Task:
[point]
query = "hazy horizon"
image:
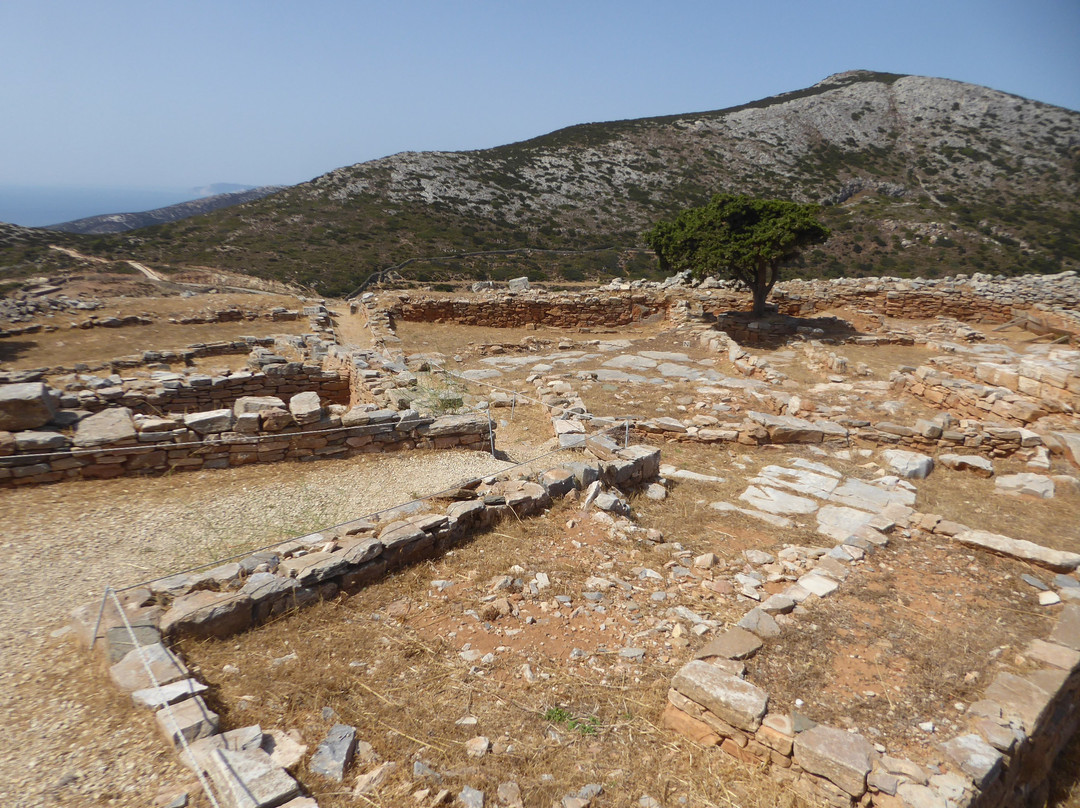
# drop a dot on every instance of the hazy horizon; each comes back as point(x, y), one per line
point(45, 205)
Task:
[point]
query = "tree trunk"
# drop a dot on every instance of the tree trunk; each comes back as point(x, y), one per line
point(760, 290)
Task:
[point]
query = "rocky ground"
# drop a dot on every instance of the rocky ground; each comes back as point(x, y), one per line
point(536, 660)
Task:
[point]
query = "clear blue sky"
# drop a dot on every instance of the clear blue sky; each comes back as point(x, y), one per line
point(177, 94)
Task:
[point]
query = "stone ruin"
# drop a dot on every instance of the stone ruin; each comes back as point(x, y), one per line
point(336, 401)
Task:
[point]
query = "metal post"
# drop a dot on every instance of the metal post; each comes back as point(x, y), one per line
point(513, 407)
point(491, 430)
point(100, 616)
point(626, 436)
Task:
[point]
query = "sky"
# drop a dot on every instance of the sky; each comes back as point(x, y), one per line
point(157, 95)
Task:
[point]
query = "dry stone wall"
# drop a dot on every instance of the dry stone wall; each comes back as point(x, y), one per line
point(532, 309)
point(132, 629)
point(115, 443)
point(1014, 735)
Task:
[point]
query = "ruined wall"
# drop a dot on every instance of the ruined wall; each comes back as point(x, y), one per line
point(150, 448)
point(519, 311)
point(196, 393)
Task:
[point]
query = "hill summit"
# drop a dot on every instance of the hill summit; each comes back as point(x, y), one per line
point(917, 176)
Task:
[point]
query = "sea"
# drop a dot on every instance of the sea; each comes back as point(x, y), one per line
point(45, 205)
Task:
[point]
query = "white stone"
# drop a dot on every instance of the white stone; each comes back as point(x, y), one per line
point(911, 465)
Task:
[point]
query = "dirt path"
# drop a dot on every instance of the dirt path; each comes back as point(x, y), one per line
point(78, 255)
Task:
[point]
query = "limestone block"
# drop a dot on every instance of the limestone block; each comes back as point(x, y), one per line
point(843, 758)
point(248, 778)
point(191, 719)
point(208, 614)
point(130, 673)
point(110, 426)
point(730, 698)
point(27, 405)
point(210, 422)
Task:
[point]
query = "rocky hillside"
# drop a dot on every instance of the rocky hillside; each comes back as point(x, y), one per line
point(917, 176)
point(122, 222)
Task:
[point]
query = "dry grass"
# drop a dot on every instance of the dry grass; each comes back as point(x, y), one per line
point(385, 662)
point(917, 629)
point(973, 501)
point(68, 346)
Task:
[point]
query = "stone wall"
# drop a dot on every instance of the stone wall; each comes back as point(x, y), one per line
point(194, 392)
point(113, 443)
point(1014, 733)
point(974, 400)
point(230, 598)
point(523, 310)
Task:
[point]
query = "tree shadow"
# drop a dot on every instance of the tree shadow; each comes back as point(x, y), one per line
point(776, 330)
point(10, 350)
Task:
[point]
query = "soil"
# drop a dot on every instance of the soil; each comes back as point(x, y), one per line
point(916, 634)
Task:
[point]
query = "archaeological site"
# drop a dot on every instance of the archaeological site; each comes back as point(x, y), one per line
point(622, 545)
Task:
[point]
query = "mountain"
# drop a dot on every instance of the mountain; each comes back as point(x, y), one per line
point(916, 175)
point(215, 188)
point(122, 222)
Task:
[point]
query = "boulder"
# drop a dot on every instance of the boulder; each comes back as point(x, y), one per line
point(111, 426)
point(973, 463)
point(210, 422)
point(246, 405)
point(25, 406)
point(306, 408)
point(910, 465)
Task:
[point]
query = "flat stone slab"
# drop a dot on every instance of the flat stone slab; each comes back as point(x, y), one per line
point(909, 465)
point(210, 422)
point(771, 518)
point(976, 757)
point(973, 463)
point(843, 758)
point(728, 697)
point(1067, 630)
point(735, 643)
point(772, 500)
point(838, 522)
point(248, 778)
point(157, 697)
point(191, 719)
point(1025, 484)
point(335, 753)
point(1056, 560)
point(113, 425)
point(130, 673)
point(815, 482)
point(630, 362)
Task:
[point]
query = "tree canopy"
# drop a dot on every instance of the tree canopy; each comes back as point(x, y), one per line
point(737, 236)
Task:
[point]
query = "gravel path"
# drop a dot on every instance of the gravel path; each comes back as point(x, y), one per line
point(69, 740)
